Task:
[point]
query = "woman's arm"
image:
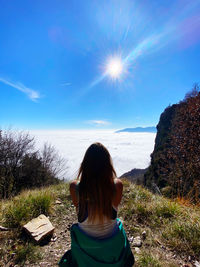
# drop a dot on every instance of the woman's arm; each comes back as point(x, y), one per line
point(118, 195)
point(73, 193)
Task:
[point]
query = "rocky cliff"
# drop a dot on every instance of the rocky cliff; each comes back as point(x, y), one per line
point(175, 161)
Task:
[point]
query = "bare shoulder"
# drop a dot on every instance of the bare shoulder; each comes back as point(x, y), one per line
point(119, 190)
point(73, 184)
point(118, 184)
point(72, 188)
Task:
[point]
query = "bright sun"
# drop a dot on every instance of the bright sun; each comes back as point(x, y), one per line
point(114, 68)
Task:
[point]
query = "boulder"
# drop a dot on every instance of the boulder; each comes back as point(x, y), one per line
point(39, 228)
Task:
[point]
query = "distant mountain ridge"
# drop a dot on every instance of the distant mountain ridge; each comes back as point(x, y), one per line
point(151, 129)
point(135, 176)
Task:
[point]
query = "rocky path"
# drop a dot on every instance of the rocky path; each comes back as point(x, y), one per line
point(60, 242)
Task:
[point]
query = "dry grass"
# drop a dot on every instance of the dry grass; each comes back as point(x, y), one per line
point(168, 223)
point(14, 213)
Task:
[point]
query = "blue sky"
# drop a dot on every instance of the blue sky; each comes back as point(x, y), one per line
point(53, 58)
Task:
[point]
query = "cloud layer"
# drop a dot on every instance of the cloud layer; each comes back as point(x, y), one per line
point(128, 150)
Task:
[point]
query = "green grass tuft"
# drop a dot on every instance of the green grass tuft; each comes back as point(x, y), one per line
point(26, 206)
point(184, 236)
point(146, 259)
point(27, 252)
point(167, 209)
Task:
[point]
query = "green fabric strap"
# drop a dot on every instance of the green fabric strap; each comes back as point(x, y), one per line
point(91, 252)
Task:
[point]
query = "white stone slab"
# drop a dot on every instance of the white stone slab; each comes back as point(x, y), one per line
point(39, 228)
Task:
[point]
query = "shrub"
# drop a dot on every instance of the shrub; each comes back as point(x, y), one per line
point(167, 191)
point(23, 167)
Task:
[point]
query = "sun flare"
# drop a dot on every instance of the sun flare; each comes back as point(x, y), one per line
point(114, 68)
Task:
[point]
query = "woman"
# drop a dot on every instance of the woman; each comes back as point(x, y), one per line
point(99, 238)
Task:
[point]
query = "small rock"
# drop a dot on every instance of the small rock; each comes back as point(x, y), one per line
point(196, 264)
point(144, 235)
point(4, 228)
point(130, 239)
point(137, 250)
point(58, 202)
point(137, 242)
point(53, 239)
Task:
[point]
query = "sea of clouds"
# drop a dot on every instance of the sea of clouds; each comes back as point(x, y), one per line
point(128, 150)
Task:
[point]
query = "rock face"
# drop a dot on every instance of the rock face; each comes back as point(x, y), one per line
point(39, 228)
point(155, 174)
point(175, 160)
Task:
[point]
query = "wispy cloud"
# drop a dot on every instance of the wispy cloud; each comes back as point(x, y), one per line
point(98, 122)
point(32, 94)
point(65, 84)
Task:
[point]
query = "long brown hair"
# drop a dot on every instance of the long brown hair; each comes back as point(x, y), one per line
point(96, 188)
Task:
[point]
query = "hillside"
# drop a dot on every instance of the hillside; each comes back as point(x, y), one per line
point(172, 229)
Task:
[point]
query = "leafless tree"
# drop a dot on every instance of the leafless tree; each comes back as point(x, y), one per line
point(52, 161)
point(21, 166)
point(13, 147)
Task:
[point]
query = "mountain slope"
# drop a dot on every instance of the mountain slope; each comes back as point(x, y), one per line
point(172, 229)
